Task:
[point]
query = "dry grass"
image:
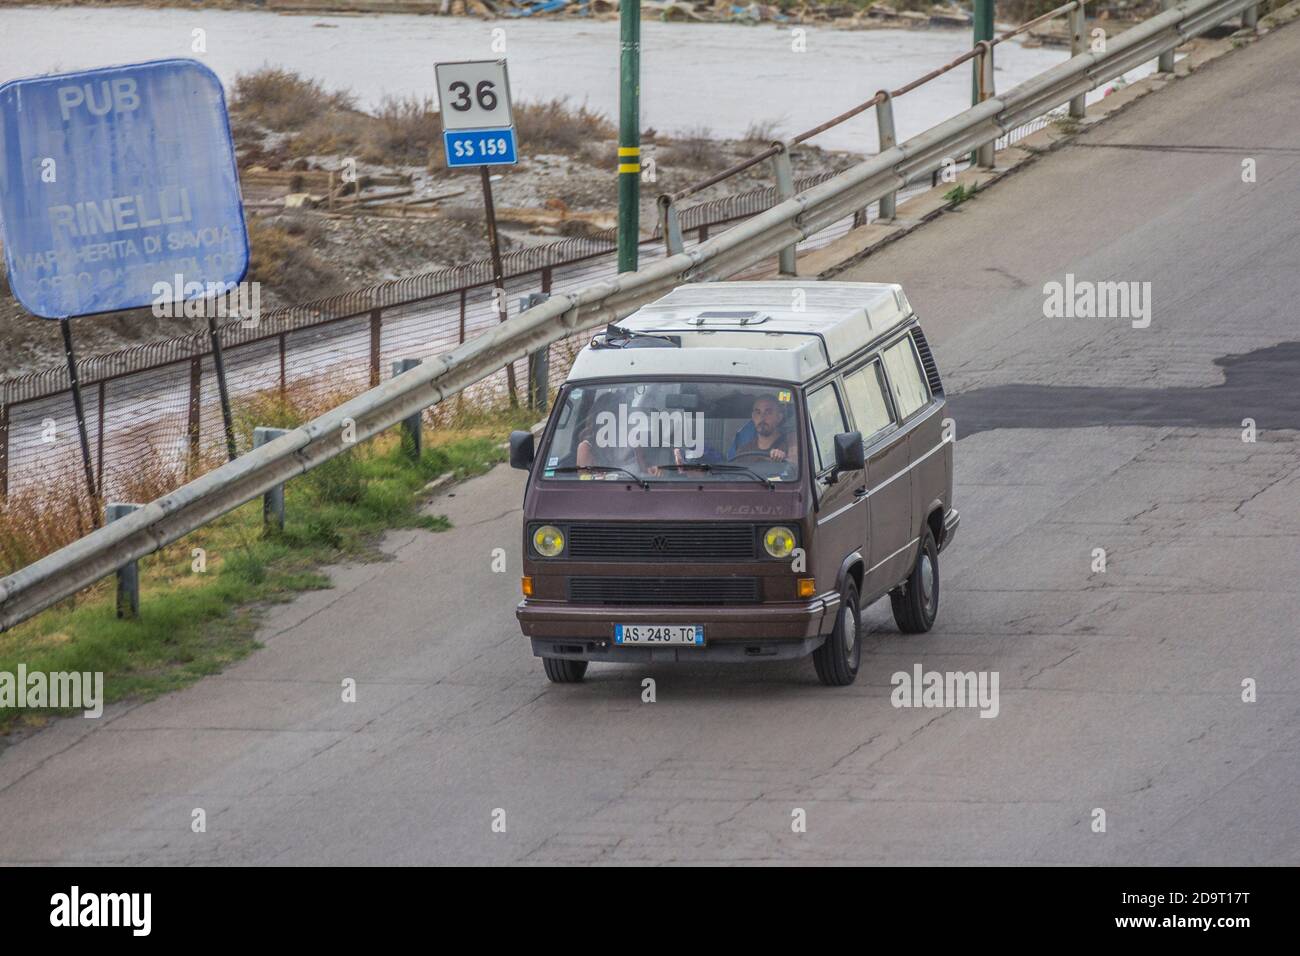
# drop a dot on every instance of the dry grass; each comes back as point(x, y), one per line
point(403, 131)
point(283, 100)
point(406, 131)
point(695, 149)
point(556, 126)
point(36, 523)
point(282, 258)
point(762, 132)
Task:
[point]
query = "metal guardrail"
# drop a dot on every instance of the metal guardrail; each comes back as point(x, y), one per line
point(85, 561)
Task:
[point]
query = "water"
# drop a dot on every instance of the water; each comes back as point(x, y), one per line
point(719, 77)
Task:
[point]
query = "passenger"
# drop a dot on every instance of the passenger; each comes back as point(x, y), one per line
point(771, 438)
point(593, 454)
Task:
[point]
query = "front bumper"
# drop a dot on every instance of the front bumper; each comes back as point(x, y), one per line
point(749, 632)
point(729, 652)
point(950, 522)
point(792, 621)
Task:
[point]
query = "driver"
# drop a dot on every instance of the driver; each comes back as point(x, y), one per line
point(771, 438)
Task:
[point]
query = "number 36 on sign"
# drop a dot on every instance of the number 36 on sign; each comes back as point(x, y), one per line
point(477, 122)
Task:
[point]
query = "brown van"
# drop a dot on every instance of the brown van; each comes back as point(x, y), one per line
point(732, 473)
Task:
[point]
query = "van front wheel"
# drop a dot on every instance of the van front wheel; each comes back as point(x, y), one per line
point(838, 658)
point(562, 671)
point(916, 600)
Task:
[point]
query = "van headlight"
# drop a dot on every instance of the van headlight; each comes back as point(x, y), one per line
point(548, 541)
point(779, 542)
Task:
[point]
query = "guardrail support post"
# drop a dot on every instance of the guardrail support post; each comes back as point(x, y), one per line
point(128, 575)
point(273, 500)
point(784, 173)
point(984, 155)
point(412, 437)
point(539, 362)
point(888, 139)
point(1078, 44)
point(1250, 17)
point(672, 226)
point(1165, 63)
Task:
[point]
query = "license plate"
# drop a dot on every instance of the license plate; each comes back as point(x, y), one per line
point(692, 634)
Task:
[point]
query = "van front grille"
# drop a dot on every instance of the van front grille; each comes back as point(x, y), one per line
point(661, 543)
point(663, 591)
point(927, 361)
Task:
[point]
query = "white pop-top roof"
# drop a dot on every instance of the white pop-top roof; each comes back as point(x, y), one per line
point(787, 331)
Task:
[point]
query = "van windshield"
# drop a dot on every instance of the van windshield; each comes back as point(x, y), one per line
point(675, 431)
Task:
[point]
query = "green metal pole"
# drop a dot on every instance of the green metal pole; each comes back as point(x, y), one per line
point(982, 14)
point(983, 17)
point(629, 135)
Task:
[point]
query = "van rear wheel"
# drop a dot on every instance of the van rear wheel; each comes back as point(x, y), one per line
point(562, 671)
point(916, 600)
point(839, 655)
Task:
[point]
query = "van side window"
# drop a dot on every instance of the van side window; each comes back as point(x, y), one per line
point(906, 377)
point(827, 421)
point(866, 395)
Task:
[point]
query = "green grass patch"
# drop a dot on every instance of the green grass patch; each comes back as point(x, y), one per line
point(201, 598)
point(959, 194)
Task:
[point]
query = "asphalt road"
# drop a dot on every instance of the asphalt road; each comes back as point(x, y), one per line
point(1119, 691)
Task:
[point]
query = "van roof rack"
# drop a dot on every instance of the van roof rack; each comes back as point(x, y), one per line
point(723, 318)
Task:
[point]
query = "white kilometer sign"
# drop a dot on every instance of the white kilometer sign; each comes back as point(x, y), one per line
point(474, 103)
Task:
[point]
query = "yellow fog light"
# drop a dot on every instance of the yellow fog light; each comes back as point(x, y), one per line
point(548, 541)
point(807, 587)
point(779, 542)
point(526, 585)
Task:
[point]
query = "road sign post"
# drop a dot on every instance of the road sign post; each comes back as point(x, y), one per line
point(223, 393)
point(478, 129)
point(119, 190)
point(79, 407)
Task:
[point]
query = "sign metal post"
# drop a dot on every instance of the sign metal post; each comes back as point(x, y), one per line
point(79, 407)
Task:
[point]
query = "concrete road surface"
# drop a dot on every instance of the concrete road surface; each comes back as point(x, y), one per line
point(1119, 690)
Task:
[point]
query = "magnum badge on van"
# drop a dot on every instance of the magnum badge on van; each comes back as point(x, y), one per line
point(792, 469)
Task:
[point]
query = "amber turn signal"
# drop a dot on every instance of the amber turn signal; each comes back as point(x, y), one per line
point(807, 587)
point(526, 585)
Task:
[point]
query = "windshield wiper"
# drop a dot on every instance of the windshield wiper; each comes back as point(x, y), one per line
point(706, 467)
point(572, 468)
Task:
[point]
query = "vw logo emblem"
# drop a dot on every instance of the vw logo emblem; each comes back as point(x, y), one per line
point(659, 543)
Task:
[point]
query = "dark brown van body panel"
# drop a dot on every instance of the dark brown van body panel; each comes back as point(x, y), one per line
point(889, 508)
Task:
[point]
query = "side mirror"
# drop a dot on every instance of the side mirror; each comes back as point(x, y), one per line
point(849, 453)
point(522, 451)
